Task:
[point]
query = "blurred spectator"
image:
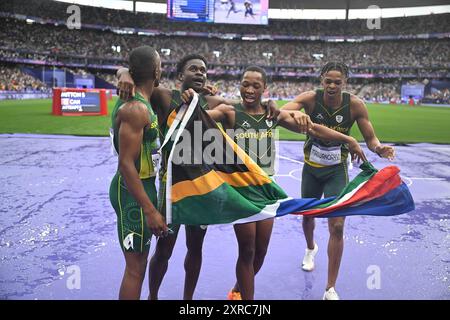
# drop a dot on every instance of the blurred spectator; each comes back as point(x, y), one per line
point(13, 79)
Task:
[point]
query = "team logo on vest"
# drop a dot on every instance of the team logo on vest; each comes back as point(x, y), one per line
point(246, 125)
point(269, 123)
point(339, 118)
point(319, 116)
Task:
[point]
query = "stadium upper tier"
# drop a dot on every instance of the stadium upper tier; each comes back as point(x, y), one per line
point(58, 44)
point(157, 22)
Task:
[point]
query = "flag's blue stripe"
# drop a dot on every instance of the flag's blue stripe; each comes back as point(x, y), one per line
point(396, 201)
point(295, 205)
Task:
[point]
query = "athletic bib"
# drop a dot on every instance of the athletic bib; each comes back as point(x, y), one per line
point(325, 156)
point(155, 161)
point(113, 148)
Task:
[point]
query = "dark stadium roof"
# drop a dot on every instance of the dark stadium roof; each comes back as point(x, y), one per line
point(342, 4)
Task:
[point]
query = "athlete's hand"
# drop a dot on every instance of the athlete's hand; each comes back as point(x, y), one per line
point(156, 223)
point(209, 90)
point(385, 151)
point(356, 151)
point(272, 111)
point(303, 121)
point(187, 95)
point(125, 86)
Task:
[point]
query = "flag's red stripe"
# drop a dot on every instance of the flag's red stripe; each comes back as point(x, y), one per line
point(381, 183)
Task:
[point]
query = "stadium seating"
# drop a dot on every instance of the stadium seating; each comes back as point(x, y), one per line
point(378, 67)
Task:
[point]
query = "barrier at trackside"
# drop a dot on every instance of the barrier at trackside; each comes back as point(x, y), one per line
point(79, 102)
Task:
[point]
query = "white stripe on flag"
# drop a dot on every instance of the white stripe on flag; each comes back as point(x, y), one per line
point(346, 197)
point(187, 116)
point(269, 211)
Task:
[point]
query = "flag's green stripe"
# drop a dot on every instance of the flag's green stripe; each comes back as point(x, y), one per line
point(225, 204)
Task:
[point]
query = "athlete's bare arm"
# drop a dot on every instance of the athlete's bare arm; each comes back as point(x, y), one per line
point(361, 116)
point(299, 122)
point(295, 121)
point(132, 118)
point(304, 101)
point(270, 105)
point(225, 114)
point(160, 99)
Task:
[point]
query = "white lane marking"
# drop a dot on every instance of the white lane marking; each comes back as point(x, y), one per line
point(423, 178)
point(437, 148)
point(291, 174)
point(293, 160)
point(409, 180)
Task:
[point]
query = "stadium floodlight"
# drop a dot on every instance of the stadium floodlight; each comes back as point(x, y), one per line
point(165, 51)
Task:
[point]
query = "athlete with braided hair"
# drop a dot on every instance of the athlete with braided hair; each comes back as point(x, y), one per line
point(325, 169)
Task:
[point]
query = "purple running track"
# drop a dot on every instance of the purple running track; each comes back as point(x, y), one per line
point(55, 217)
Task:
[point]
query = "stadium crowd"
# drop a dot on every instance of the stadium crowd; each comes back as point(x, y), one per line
point(13, 79)
point(36, 41)
point(378, 67)
point(122, 18)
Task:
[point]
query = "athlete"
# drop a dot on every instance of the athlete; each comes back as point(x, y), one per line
point(247, 121)
point(232, 8)
point(249, 9)
point(192, 72)
point(132, 191)
point(325, 170)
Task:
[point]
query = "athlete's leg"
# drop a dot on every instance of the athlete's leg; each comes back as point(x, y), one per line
point(335, 184)
point(245, 272)
point(311, 188)
point(193, 261)
point(263, 234)
point(335, 248)
point(136, 264)
point(134, 237)
point(160, 261)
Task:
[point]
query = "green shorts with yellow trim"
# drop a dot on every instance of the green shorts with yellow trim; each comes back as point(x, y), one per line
point(327, 181)
point(134, 235)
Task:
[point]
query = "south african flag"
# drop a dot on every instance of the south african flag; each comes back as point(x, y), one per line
point(236, 190)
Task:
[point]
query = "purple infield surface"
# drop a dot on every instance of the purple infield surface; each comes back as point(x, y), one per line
point(56, 223)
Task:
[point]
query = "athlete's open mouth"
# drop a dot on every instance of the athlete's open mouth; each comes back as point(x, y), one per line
point(249, 98)
point(199, 82)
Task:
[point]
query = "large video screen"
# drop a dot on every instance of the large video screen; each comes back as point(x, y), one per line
point(219, 11)
point(191, 10)
point(241, 11)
